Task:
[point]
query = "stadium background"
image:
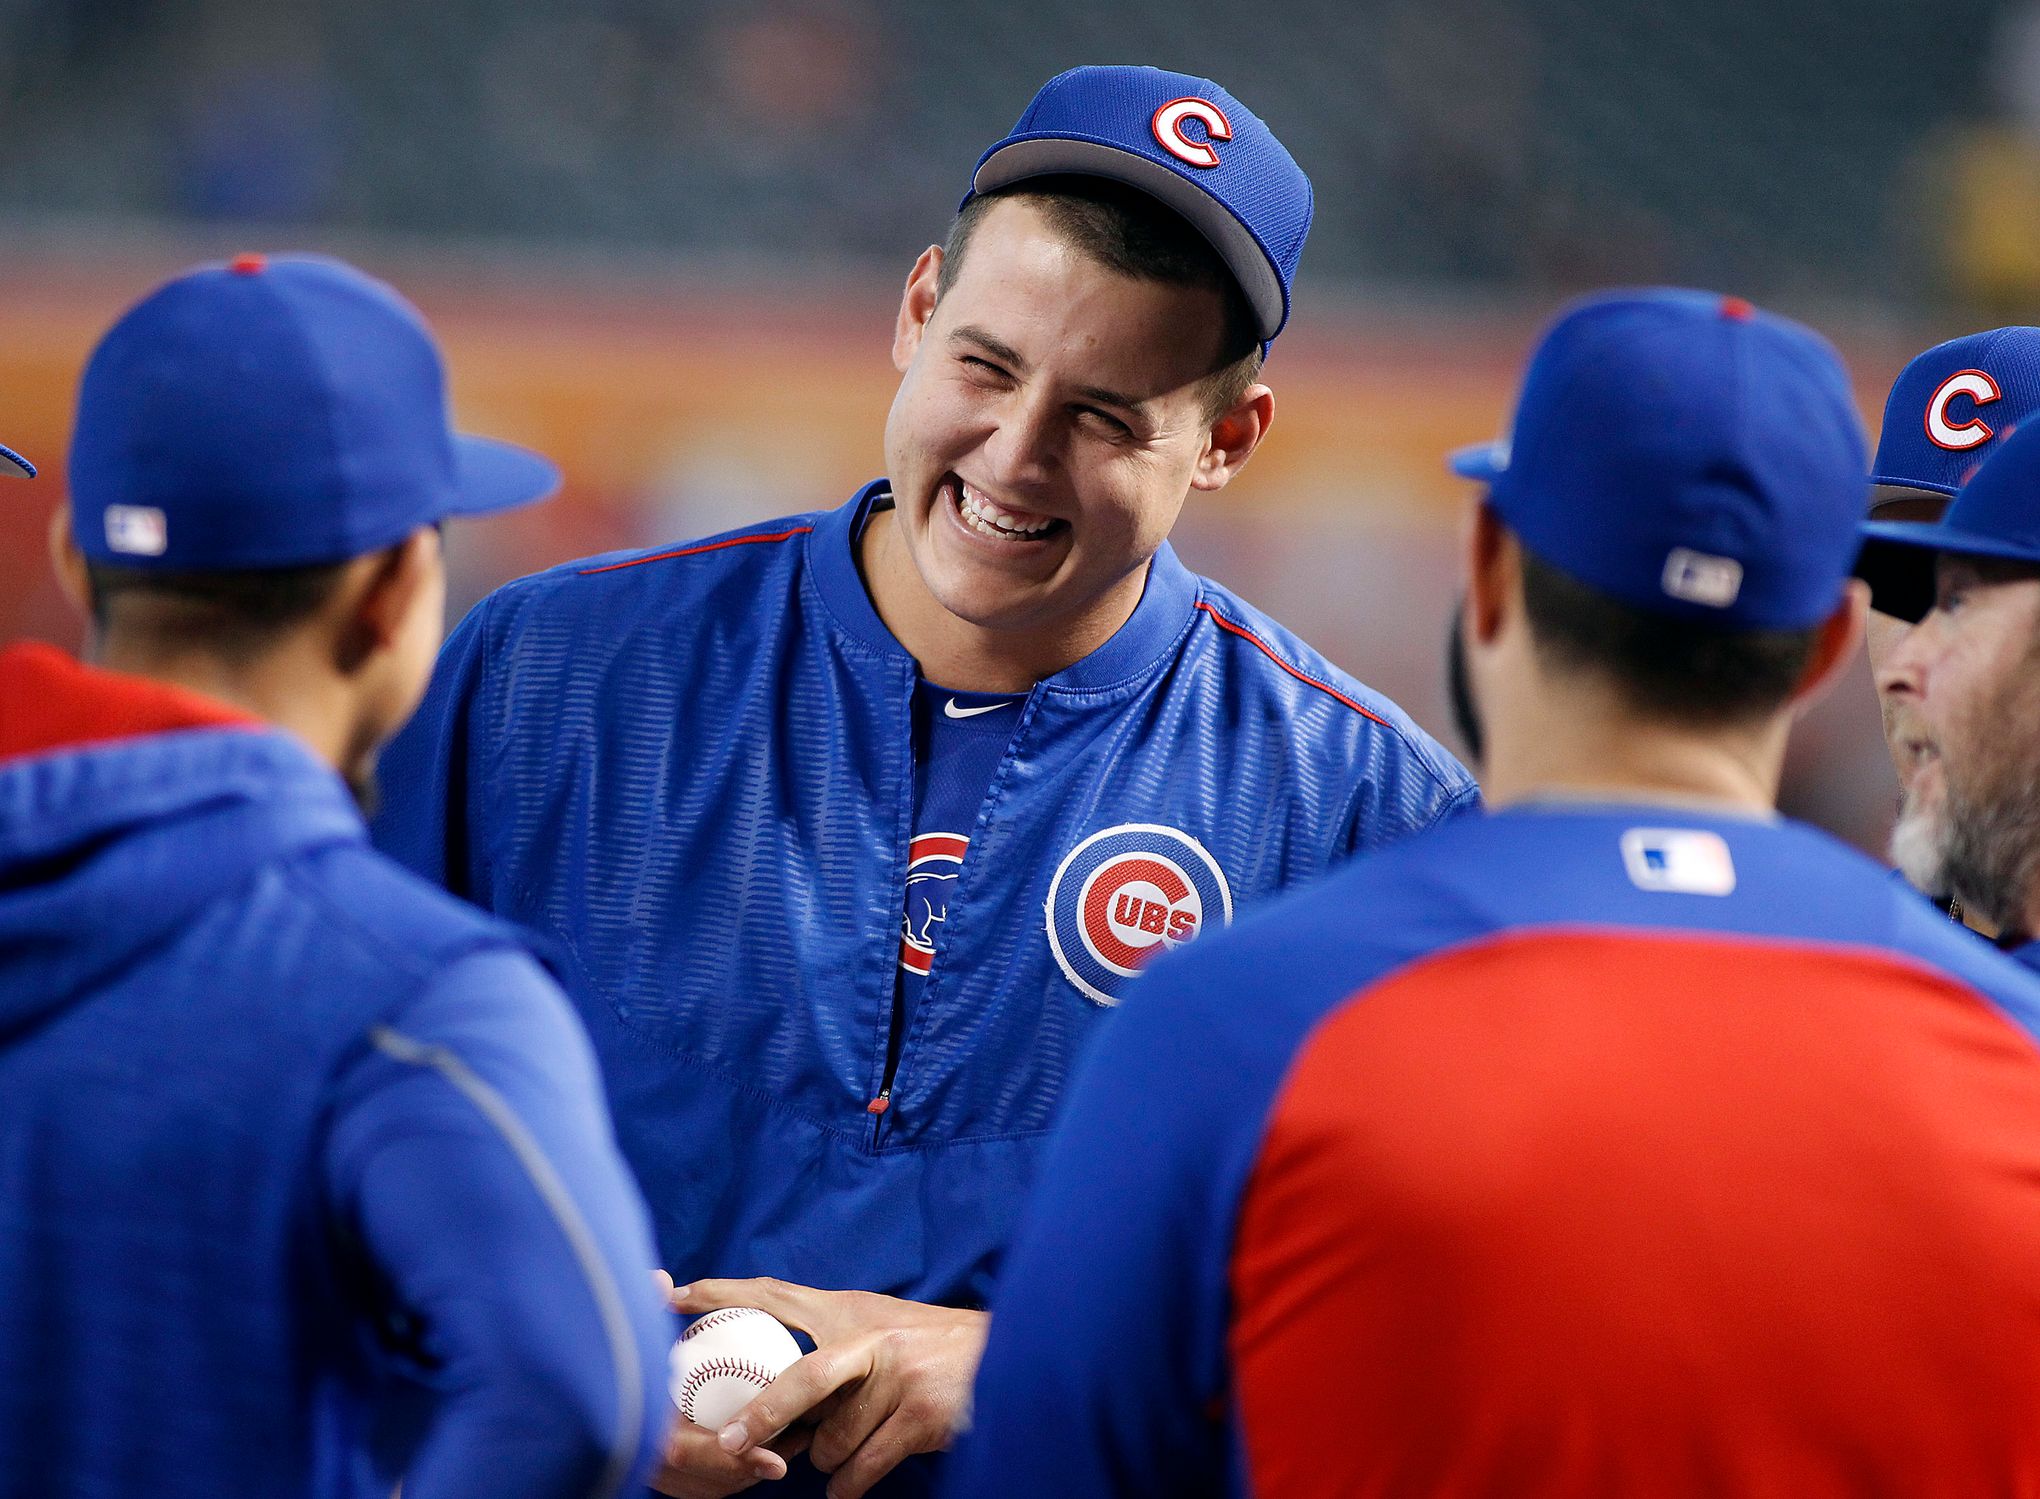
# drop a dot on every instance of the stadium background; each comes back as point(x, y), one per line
point(662, 239)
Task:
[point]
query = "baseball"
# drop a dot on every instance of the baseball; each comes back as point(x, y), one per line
point(724, 1359)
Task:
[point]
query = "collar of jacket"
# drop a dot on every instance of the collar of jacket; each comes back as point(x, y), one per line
point(1166, 609)
point(49, 702)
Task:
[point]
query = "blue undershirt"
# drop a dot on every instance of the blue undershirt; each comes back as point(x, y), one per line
point(959, 739)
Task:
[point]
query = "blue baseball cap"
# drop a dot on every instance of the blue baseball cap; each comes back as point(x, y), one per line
point(274, 412)
point(1688, 454)
point(1951, 407)
point(14, 466)
point(1185, 141)
point(1996, 514)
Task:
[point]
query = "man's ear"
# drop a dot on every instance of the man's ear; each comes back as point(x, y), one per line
point(1494, 574)
point(68, 562)
point(1834, 645)
point(375, 601)
point(1234, 436)
point(917, 305)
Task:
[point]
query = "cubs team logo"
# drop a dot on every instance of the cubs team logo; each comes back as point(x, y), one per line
point(1168, 126)
point(1126, 895)
point(933, 862)
point(1959, 437)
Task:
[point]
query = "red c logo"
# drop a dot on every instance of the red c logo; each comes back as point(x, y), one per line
point(1134, 907)
point(1958, 436)
point(1168, 128)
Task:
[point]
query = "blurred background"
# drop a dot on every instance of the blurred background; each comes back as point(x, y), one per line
point(663, 239)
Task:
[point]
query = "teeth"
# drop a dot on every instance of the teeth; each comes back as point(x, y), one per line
point(985, 516)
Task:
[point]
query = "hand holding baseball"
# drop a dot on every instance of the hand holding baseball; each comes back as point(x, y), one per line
point(694, 1465)
point(888, 1378)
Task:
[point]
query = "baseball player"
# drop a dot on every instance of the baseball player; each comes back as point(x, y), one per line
point(855, 824)
point(1949, 410)
point(1963, 684)
point(1626, 1140)
point(306, 1185)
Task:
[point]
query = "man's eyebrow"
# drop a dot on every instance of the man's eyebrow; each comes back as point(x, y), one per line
point(1106, 397)
point(1005, 353)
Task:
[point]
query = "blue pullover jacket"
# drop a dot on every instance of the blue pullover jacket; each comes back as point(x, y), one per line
point(305, 1180)
point(692, 767)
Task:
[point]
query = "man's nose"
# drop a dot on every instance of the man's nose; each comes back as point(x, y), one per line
point(1025, 447)
point(1907, 664)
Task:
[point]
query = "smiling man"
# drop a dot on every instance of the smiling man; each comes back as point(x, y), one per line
point(852, 826)
point(1966, 679)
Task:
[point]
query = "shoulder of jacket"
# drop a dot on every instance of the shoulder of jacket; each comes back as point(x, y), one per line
point(391, 917)
point(1277, 656)
point(671, 573)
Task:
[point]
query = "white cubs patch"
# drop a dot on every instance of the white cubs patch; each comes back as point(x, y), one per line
point(1959, 437)
point(1124, 896)
point(1168, 126)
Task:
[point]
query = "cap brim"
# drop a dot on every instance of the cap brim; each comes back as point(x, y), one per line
point(1910, 486)
point(1897, 561)
point(1929, 505)
point(1485, 461)
point(496, 476)
point(1025, 156)
point(13, 465)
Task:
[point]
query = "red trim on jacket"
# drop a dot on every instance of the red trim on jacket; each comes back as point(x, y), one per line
point(1269, 651)
point(48, 701)
point(712, 546)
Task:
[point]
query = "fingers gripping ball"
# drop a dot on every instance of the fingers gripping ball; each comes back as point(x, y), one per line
point(724, 1359)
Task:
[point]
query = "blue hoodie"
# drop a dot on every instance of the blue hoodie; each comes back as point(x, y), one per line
point(305, 1183)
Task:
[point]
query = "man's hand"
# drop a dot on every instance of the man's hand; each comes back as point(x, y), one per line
point(695, 1466)
point(888, 1378)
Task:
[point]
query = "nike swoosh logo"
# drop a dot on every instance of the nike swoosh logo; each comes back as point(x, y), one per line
point(950, 709)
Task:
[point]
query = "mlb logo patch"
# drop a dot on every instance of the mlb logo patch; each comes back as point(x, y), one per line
point(1700, 578)
point(1678, 861)
point(137, 530)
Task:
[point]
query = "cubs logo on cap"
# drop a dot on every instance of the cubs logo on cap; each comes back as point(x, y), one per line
point(1170, 132)
point(13, 465)
point(1996, 515)
point(1185, 141)
point(1123, 897)
point(1953, 406)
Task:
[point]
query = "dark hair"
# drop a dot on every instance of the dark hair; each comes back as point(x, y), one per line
point(235, 616)
point(1128, 231)
point(1691, 673)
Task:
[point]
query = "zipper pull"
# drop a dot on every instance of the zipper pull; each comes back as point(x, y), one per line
point(881, 1103)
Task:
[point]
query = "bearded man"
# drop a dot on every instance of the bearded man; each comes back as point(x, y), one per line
point(1965, 684)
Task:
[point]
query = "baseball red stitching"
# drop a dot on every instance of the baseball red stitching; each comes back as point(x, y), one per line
point(715, 1368)
point(717, 1319)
